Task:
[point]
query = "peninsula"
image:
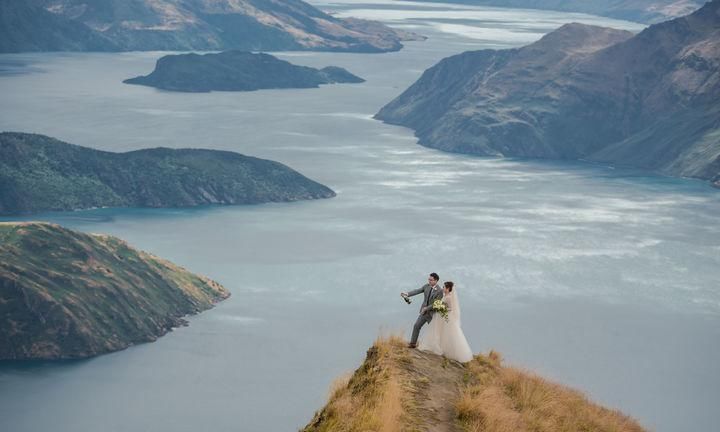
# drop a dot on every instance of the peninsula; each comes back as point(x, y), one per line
point(67, 295)
point(650, 101)
point(39, 173)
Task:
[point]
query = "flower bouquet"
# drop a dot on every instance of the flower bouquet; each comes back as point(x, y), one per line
point(441, 308)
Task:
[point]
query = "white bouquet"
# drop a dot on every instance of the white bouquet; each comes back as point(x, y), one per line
point(441, 308)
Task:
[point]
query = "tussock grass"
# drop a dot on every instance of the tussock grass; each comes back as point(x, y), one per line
point(374, 398)
point(505, 399)
point(397, 389)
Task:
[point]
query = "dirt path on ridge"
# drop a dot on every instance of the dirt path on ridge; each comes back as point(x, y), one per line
point(436, 381)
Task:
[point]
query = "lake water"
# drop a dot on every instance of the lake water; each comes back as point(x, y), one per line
point(603, 279)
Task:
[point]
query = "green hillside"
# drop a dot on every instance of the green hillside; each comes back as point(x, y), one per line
point(65, 294)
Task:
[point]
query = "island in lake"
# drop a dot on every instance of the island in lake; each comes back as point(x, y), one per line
point(650, 100)
point(237, 71)
point(66, 294)
point(404, 389)
point(39, 173)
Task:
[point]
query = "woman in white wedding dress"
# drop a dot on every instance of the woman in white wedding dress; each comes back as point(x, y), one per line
point(446, 338)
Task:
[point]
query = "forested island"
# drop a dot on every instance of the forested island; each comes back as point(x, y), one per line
point(40, 173)
point(237, 71)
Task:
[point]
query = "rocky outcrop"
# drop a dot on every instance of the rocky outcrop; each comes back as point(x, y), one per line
point(237, 71)
point(39, 173)
point(65, 294)
point(650, 100)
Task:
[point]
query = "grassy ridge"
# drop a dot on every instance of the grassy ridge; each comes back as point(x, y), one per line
point(504, 399)
point(398, 389)
point(65, 294)
point(372, 399)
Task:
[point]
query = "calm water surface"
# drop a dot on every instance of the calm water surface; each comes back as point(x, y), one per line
point(603, 279)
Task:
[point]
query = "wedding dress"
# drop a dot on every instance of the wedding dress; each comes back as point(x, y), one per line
point(446, 338)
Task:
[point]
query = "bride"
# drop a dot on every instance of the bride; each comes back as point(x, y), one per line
point(446, 337)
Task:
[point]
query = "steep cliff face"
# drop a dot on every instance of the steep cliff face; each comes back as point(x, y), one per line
point(401, 389)
point(65, 294)
point(39, 173)
point(237, 71)
point(140, 25)
point(651, 100)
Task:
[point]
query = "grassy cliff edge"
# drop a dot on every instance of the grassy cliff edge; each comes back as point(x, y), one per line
point(399, 389)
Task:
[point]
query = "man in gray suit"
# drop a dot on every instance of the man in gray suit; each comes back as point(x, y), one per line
point(432, 292)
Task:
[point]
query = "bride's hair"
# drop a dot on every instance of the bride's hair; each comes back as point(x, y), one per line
point(449, 285)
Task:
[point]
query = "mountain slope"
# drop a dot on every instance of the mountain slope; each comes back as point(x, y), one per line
point(39, 173)
point(399, 389)
point(237, 71)
point(582, 92)
point(182, 25)
point(65, 294)
point(28, 27)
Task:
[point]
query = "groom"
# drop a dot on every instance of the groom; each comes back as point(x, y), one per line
point(432, 292)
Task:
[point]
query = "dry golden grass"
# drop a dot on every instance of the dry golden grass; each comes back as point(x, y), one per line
point(338, 385)
point(374, 398)
point(505, 399)
point(390, 408)
point(397, 389)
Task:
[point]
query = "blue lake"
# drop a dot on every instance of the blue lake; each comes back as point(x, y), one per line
point(603, 279)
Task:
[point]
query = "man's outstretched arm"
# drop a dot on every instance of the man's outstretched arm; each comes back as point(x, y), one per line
point(414, 292)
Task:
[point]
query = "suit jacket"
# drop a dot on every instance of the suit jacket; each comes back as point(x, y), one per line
point(430, 295)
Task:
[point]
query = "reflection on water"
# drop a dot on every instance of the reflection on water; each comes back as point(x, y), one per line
point(605, 279)
point(491, 26)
